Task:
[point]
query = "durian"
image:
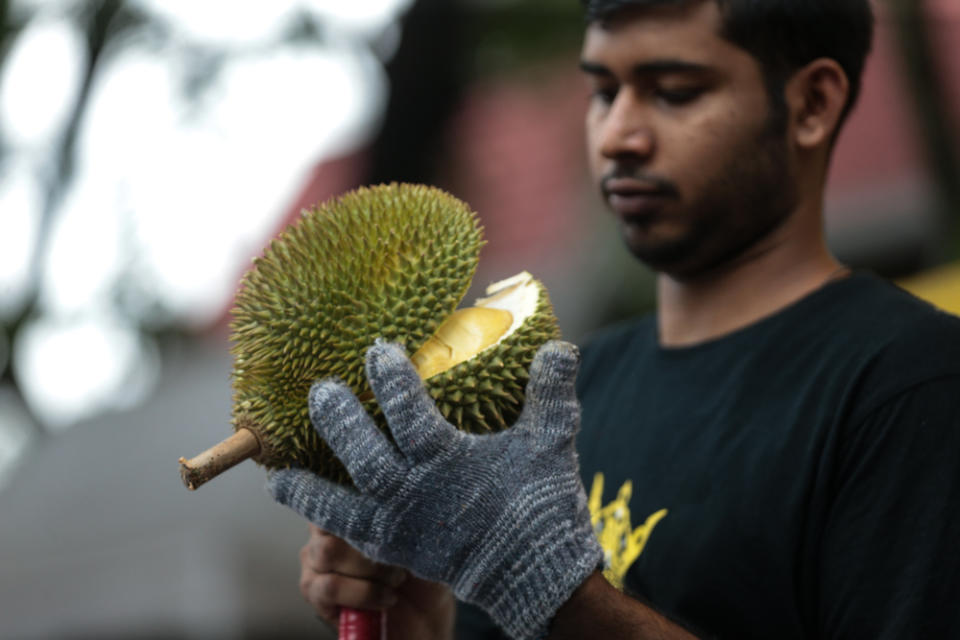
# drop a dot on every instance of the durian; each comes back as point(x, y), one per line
point(391, 262)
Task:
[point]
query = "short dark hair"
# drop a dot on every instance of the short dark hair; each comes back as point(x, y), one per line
point(783, 36)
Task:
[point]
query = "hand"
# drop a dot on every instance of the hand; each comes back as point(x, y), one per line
point(502, 518)
point(333, 574)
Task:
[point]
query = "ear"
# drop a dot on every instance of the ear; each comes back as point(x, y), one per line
point(816, 96)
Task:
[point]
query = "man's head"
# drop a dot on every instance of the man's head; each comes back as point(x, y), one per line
point(782, 35)
point(711, 121)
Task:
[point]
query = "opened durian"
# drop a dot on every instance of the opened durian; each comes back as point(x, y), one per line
point(390, 262)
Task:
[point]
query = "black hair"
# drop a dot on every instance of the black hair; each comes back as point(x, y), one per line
point(783, 36)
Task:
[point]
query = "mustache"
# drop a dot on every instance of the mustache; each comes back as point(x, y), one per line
point(648, 181)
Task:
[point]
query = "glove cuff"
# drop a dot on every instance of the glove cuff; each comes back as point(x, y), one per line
point(541, 561)
point(525, 611)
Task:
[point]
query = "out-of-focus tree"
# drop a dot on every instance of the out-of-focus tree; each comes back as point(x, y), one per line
point(102, 23)
point(171, 115)
point(924, 76)
point(446, 45)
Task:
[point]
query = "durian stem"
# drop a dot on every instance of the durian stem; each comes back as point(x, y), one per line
point(200, 469)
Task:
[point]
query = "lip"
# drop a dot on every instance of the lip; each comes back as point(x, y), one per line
point(632, 200)
point(636, 200)
point(631, 205)
point(631, 186)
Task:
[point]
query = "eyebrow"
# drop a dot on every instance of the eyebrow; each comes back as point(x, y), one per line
point(651, 68)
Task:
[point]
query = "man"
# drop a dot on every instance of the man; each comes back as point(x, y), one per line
point(781, 436)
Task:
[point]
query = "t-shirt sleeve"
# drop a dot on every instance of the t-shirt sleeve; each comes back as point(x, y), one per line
point(889, 561)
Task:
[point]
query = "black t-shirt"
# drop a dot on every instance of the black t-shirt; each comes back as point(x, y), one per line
point(799, 478)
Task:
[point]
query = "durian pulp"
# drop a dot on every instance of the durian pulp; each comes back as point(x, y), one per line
point(469, 331)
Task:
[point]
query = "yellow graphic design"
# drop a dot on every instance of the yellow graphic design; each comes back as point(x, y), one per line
point(621, 544)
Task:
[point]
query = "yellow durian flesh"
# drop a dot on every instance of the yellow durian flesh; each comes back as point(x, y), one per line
point(463, 335)
point(468, 332)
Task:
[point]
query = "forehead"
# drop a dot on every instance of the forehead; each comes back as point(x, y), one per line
point(687, 31)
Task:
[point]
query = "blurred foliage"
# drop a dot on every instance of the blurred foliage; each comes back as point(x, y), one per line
point(10, 26)
point(937, 127)
point(508, 37)
point(100, 22)
point(107, 28)
point(103, 22)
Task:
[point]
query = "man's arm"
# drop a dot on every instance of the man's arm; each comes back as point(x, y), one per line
point(335, 575)
point(501, 518)
point(598, 610)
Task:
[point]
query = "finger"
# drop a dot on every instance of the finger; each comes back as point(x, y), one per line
point(418, 428)
point(325, 553)
point(326, 612)
point(340, 419)
point(329, 590)
point(340, 510)
point(551, 399)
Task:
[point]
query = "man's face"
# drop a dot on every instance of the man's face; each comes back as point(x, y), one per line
point(680, 138)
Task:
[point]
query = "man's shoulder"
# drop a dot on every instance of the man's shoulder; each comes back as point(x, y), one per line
point(902, 341)
point(884, 316)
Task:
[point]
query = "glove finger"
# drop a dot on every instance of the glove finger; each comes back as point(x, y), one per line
point(418, 428)
point(340, 510)
point(340, 419)
point(551, 404)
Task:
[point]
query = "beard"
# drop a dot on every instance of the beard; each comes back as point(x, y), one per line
point(749, 197)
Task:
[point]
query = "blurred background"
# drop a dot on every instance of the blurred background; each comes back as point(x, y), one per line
point(148, 150)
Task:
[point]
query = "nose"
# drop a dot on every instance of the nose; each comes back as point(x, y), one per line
point(626, 131)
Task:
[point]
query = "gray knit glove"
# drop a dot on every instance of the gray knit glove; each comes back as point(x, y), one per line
point(501, 518)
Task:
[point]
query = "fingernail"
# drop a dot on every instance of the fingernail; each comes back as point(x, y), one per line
point(397, 577)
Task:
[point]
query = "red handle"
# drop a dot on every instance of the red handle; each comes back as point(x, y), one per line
point(359, 624)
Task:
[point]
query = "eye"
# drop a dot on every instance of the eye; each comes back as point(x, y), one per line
point(678, 97)
point(604, 95)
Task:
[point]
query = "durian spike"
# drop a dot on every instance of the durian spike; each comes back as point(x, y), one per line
point(204, 467)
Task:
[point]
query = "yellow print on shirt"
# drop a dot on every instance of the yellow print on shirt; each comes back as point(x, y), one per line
point(621, 544)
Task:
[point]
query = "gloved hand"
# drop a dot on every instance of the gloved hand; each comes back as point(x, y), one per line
point(501, 518)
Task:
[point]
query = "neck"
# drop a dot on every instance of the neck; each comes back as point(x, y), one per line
point(782, 268)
